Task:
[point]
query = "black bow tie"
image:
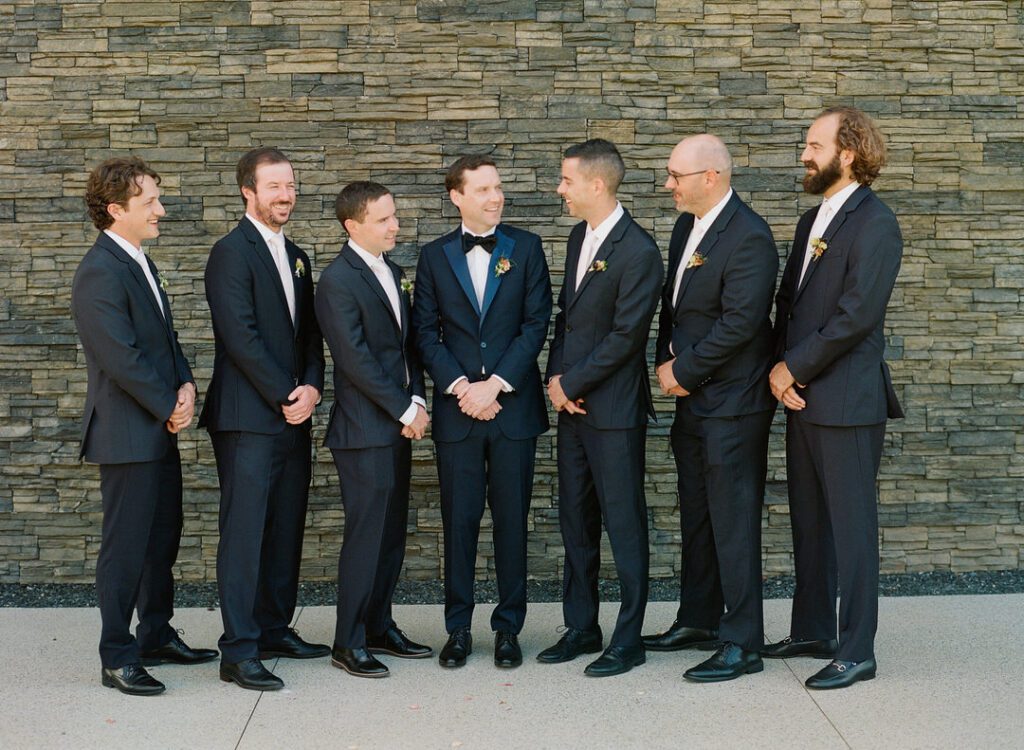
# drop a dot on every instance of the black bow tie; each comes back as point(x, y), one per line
point(469, 241)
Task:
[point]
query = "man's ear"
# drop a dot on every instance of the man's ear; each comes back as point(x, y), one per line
point(456, 197)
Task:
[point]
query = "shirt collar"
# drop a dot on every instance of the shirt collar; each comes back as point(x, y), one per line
point(702, 224)
point(836, 201)
point(136, 253)
point(488, 233)
point(603, 229)
point(266, 232)
point(369, 258)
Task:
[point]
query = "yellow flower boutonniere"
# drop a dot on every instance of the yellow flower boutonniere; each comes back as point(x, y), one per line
point(407, 286)
point(598, 266)
point(300, 268)
point(818, 248)
point(502, 266)
point(696, 260)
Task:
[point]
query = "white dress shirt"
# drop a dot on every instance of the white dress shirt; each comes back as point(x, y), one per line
point(275, 241)
point(386, 278)
point(139, 257)
point(479, 262)
point(700, 228)
point(593, 240)
point(826, 212)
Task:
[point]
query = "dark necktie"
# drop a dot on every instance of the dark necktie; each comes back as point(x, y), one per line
point(469, 241)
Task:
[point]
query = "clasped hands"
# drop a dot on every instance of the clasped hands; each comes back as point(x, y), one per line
point(560, 401)
point(784, 386)
point(184, 409)
point(667, 380)
point(479, 400)
point(418, 427)
point(301, 403)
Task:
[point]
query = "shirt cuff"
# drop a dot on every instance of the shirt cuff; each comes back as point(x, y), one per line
point(448, 391)
point(419, 400)
point(505, 386)
point(409, 415)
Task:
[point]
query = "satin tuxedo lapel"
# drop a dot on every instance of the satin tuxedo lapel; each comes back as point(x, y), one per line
point(604, 252)
point(267, 259)
point(705, 246)
point(830, 231)
point(371, 281)
point(457, 260)
point(503, 249)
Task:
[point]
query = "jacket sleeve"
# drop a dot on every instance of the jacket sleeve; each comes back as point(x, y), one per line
point(522, 352)
point(313, 340)
point(99, 303)
point(233, 309)
point(434, 355)
point(662, 351)
point(748, 281)
point(631, 323)
point(873, 263)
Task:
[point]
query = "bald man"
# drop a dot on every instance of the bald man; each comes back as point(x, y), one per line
point(714, 351)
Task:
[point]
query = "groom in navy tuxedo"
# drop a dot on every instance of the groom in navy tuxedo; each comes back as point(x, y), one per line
point(481, 310)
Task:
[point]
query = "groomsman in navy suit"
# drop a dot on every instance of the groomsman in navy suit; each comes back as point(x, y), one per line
point(268, 372)
point(598, 384)
point(714, 352)
point(141, 394)
point(833, 380)
point(362, 303)
point(481, 310)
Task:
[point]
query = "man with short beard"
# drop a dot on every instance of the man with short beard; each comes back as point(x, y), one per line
point(268, 373)
point(836, 387)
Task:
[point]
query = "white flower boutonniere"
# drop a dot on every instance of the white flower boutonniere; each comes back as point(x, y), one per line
point(818, 248)
point(598, 266)
point(503, 266)
point(407, 286)
point(163, 284)
point(300, 268)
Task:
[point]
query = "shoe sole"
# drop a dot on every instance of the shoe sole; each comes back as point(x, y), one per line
point(800, 656)
point(594, 650)
point(508, 664)
point(287, 655)
point(157, 661)
point(388, 652)
point(106, 682)
point(269, 688)
point(865, 678)
point(697, 645)
point(452, 664)
point(752, 669)
point(339, 665)
point(639, 662)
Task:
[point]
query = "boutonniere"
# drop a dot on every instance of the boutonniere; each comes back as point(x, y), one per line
point(300, 268)
point(598, 266)
point(503, 266)
point(163, 284)
point(406, 285)
point(818, 248)
point(696, 260)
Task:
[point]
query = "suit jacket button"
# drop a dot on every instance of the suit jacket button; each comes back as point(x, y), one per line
point(568, 328)
point(483, 344)
point(790, 316)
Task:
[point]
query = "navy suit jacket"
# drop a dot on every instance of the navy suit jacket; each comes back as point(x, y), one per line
point(831, 330)
point(456, 337)
point(260, 356)
point(720, 327)
point(376, 372)
point(601, 330)
point(135, 363)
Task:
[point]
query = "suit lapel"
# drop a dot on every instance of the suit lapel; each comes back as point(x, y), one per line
point(674, 261)
point(267, 259)
point(371, 281)
point(168, 323)
point(830, 231)
point(457, 260)
point(140, 276)
point(707, 244)
point(397, 274)
point(503, 249)
point(293, 259)
point(604, 252)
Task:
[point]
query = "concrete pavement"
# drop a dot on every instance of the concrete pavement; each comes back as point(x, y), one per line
point(949, 677)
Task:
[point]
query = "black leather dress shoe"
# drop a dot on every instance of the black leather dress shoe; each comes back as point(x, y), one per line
point(840, 674)
point(728, 663)
point(789, 647)
point(131, 679)
point(358, 662)
point(616, 660)
point(458, 647)
point(678, 637)
point(290, 646)
point(251, 675)
point(507, 653)
point(572, 644)
point(176, 651)
point(394, 642)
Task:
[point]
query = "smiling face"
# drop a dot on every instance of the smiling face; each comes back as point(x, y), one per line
point(274, 197)
point(689, 185)
point(377, 232)
point(576, 188)
point(481, 200)
point(827, 167)
point(137, 221)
